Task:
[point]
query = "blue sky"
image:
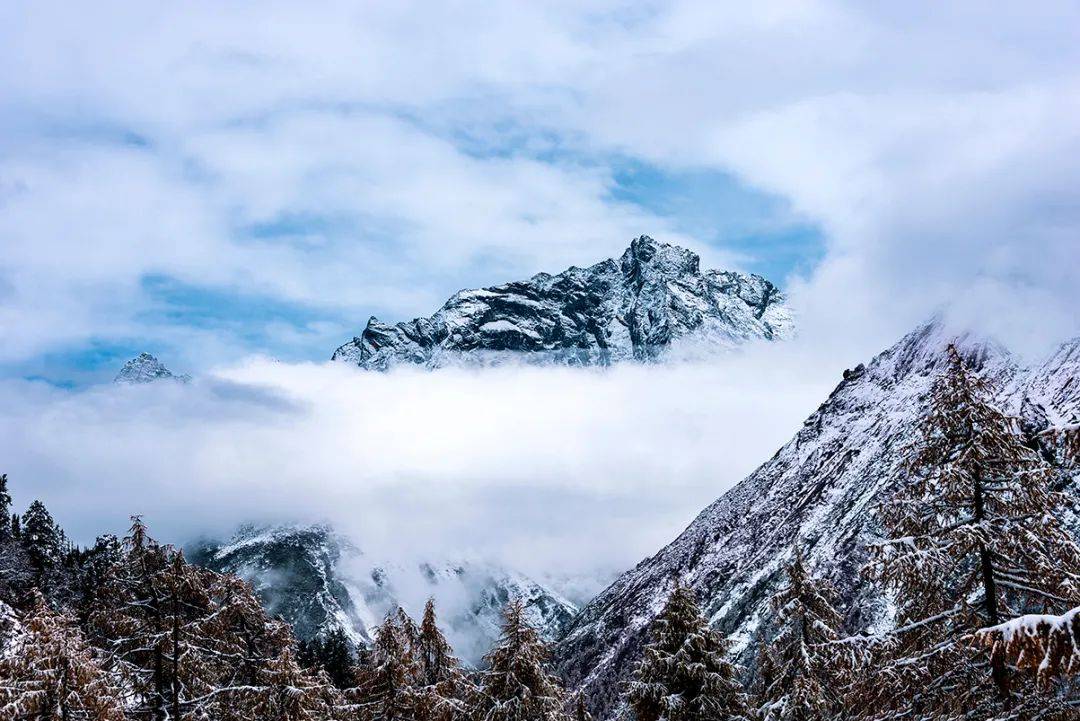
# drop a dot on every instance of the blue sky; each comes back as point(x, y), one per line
point(208, 183)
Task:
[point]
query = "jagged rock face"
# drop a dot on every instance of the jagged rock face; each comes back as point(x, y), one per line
point(319, 581)
point(818, 490)
point(145, 368)
point(293, 571)
point(653, 301)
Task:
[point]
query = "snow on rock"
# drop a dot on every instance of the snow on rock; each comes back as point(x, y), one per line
point(818, 491)
point(655, 297)
point(319, 581)
point(145, 368)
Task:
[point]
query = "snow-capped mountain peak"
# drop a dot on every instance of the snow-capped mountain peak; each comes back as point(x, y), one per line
point(654, 300)
point(145, 368)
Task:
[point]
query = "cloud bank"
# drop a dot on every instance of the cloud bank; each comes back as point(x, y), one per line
point(551, 469)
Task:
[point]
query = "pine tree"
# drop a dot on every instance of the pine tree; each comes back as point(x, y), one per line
point(387, 683)
point(444, 689)
point(974, 539)
point(40, 537)
point(684, 674)
point(516, 685)
point(581, 712)
point(798, 663)
point(333, 655)
point(52, 673)
point(16, 527)
point(286, 693)
point(5, 510)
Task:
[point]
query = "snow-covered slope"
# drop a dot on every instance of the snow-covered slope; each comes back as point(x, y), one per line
point(654, 300)
point(818, 490)
point(145, 368)
point(318, 580)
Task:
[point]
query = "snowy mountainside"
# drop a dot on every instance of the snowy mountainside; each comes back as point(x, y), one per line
point(818, 490)
point(145, 368)
point(653, 300)
point(318, 580)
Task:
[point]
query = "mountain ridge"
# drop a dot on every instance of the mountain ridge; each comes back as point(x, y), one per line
point(319, 581)
point(650, 302)
point(818, 492)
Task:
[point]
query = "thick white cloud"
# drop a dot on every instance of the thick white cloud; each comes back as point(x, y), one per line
point(550, 469)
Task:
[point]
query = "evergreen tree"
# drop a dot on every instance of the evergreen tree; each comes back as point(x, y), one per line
point(444, 689)
point(331, 654)
point(975, 539)
point(387, 683)
point(516, 685)
point(286, 693)
point(16, 527)
point(41, 538)
point(581, 712)
point(52, 673)
point(684, 674)
point(797, 665)
point(5, 510)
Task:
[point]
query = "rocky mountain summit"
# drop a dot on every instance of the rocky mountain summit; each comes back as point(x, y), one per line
point(318, 580)
point(655, 300)
point(145, 368)
point(818, 493)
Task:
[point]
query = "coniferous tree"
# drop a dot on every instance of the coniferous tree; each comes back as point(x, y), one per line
point(581, 712)
point(286, 693)
point(332, 654)
point(684, 674)
point(41, 538)
point(16, 527)
point(5, 510)
point(798, 664)
point(386, 684)
point(974, 540)
point(444, 689)
point(52, 673)
point(517, 685)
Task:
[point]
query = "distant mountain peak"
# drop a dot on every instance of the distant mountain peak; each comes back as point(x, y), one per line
point(652, 301)
point(145, 368)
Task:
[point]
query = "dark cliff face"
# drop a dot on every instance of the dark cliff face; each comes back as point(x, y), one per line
point(653, 298)
point(293, 571)
point(817, 491)
point(316, 580)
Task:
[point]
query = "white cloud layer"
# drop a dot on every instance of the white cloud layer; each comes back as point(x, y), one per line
point(551, 469)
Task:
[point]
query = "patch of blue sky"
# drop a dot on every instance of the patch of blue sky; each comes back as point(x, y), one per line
point(251, 320)
point(94, 361)
point(717, 209)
